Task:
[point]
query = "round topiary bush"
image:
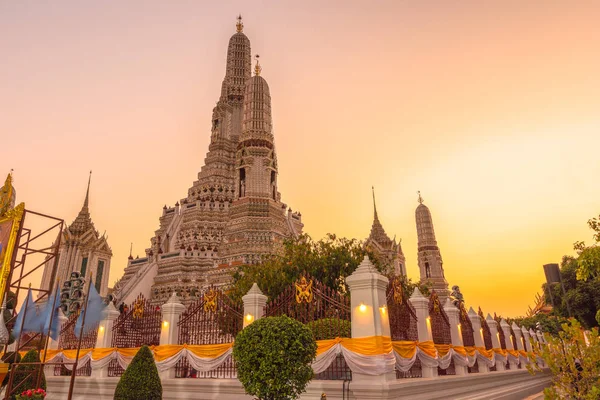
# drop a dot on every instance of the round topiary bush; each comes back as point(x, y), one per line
point(273, 357)
point(140, 381)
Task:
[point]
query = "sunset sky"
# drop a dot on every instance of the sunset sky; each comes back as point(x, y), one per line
point(490, 109)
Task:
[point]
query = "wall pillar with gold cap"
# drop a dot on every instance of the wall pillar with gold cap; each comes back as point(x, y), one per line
point(478, 337)
point(368, 307)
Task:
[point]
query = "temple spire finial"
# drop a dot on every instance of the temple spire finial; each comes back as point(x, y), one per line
point(87, 193)
point(374, 205)
point(131, 251)
point(420, 198)
point(239, 25)
point(257, 67)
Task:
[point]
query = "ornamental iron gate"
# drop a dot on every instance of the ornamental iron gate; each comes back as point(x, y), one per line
point(324, 310)
point(213, 319)
point(466, 331)
point(403, 321)
point(68, 341)
point(440, 328)
point(137, 325)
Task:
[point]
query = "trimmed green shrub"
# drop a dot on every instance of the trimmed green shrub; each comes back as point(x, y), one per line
point(21, 380)
point(273, 357)
point(10, 358)
point(330, 328)
point(140, 381)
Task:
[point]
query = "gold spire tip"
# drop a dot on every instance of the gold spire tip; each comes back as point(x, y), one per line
point(420, 198)
point(239, 25)
point(257, 67)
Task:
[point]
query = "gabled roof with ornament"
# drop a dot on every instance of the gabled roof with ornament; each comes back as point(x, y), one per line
point(83, 221)
point(378, 234)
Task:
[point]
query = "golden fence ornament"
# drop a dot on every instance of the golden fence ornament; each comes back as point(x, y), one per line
point(436, 302)
point(210, 301)
point(138, 309)
point(304, 291)
point(398, 291)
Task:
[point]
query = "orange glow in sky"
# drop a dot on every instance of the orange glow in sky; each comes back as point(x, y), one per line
point(490, 109)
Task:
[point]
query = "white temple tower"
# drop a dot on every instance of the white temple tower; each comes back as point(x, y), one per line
point(429, 256)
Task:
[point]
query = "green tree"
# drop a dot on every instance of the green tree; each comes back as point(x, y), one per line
point(581, 297)
point(575, 364)
point(329, 260)
point(26, 376)
point(588, 260)
point(140, 381)
point(273, 357)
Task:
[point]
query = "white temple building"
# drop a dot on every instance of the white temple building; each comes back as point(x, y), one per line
point(83, 250)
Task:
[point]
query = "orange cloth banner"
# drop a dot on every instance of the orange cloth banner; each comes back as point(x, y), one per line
point(405, 348)
point(427, 347)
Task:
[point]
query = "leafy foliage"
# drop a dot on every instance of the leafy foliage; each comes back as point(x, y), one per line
point(10, 358)
point(589, 256)
point(329, 260)
point(140, 381)
point(546, 323)
point(26, 375)
point(273, 357)
point(330, 328)
point(575, 364)
point(581, 296)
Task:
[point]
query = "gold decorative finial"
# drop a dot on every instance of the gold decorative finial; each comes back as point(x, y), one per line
point(420, 198)
point(240, 24)
point(257, 67)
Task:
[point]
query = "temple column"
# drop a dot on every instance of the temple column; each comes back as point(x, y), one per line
point(526, 339)
point(105, 336)
point(508, 342)
point(169, 330)
point(453, 316)
point(493, 325)
point(369, 316)
point(254, 305)
point(478, 337)
point(421, 305)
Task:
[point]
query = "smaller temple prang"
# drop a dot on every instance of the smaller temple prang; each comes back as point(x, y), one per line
point(428, 253)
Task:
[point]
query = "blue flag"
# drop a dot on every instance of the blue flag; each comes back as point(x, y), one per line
point(28, 317)
point(95, 306)
point(51, 312)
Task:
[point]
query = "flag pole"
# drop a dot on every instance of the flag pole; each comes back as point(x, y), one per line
point(37, 384)
point(74, 371)
point(18, 339)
